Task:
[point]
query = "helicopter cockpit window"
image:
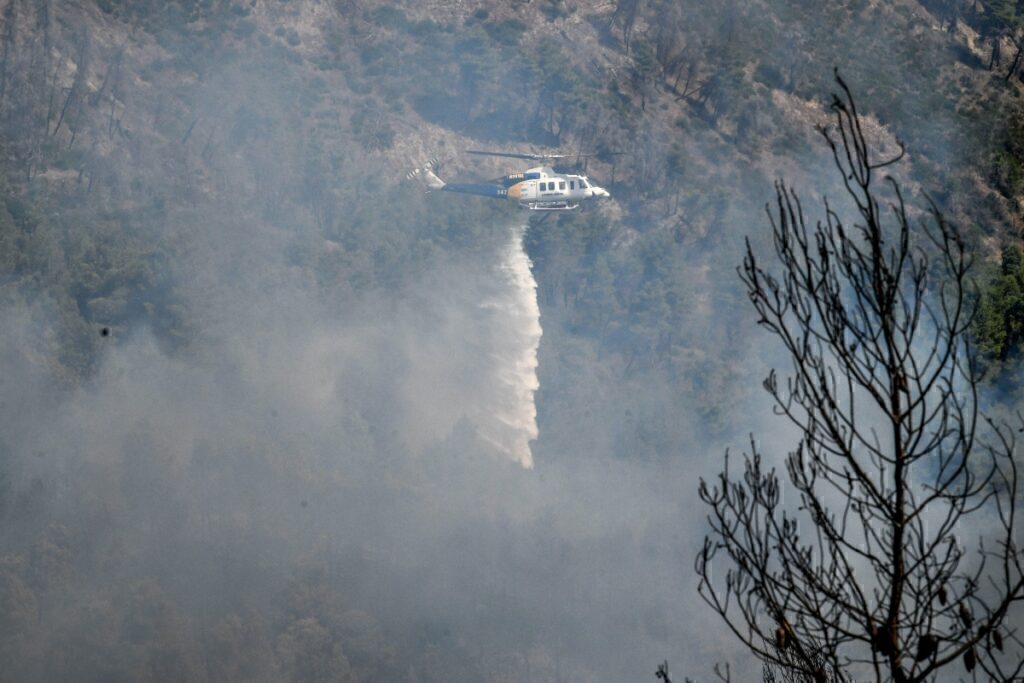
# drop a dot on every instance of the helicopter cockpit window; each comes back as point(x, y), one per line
point(561, 184)
point(584, 183)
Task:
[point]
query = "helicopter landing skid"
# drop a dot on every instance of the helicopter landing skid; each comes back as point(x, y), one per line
point(551, 206)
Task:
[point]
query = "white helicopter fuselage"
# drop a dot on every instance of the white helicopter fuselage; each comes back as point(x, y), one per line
point(543, 189)
point(538, 189)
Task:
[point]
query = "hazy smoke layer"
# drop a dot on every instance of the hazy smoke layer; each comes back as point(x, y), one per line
point(512, 320)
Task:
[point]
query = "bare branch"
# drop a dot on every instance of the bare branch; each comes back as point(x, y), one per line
point(867, 577)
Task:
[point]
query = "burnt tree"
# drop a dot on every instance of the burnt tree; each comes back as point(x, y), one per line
point(897, 552)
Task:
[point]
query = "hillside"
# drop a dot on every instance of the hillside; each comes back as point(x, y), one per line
point(242, 353)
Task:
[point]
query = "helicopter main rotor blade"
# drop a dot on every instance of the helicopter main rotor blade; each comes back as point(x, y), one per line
point(540, 157)
point(515, 155)
point(596, 154)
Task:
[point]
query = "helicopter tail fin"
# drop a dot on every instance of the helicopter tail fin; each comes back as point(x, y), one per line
point(426, 176)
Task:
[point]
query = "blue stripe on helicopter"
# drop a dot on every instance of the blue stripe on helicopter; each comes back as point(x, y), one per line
point(476, 188)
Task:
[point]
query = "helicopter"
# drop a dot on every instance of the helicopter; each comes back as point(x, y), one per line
point(538, 189)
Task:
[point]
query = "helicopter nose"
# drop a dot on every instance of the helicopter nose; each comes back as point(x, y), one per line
point(601, 192)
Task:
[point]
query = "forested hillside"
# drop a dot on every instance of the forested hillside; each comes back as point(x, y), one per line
point(232, 327)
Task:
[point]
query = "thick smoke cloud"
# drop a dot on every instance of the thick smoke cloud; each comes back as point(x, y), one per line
point(387, 445)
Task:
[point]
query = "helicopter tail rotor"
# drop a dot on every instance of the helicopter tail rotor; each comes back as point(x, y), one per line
point(425, 175)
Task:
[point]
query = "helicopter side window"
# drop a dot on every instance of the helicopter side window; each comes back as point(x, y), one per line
point(572, 184)
point(561, 184)
point(543, 187)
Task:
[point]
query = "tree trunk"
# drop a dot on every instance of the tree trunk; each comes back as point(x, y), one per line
point(1016, 61)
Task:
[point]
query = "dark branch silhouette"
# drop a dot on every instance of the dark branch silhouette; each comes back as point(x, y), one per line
point(869, 571)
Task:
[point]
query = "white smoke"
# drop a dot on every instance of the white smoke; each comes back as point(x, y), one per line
point(512, 319)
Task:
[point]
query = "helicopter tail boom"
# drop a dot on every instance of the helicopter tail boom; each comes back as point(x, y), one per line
point(425, 176)
point(481, 189)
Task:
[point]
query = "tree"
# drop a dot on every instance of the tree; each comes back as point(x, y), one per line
point(867, 577)
point(644, 72)
point(1004, 18)
point(999, 328)
point(625, 16)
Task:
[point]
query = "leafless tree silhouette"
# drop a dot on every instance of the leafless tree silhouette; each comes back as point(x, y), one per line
point(871, 572)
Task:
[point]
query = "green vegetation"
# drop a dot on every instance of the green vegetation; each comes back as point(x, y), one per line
point(1000, 323)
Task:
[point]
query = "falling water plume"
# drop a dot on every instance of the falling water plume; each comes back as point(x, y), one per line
point(511, 421)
